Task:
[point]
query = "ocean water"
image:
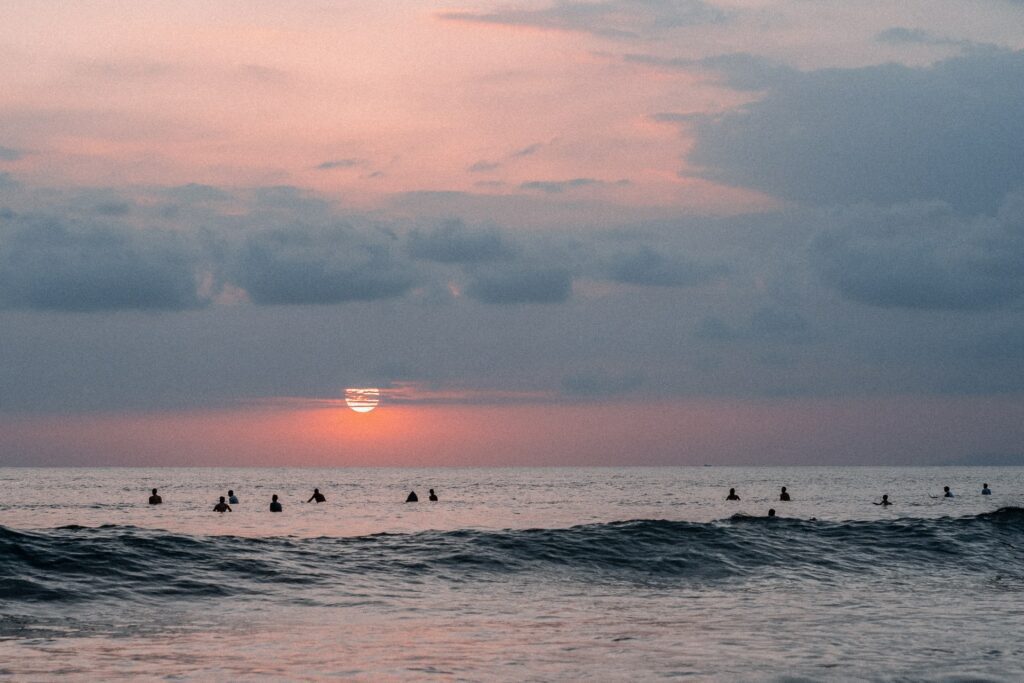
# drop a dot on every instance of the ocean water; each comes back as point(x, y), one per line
point(515, 574)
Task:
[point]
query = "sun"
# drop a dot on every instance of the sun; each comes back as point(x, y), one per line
point(362, 399)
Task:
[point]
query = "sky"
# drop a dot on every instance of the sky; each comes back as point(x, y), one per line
point(551, 232)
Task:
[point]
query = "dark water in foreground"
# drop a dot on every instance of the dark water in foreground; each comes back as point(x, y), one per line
point(928, 589)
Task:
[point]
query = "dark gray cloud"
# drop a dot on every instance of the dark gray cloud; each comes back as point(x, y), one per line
point(483, 166)
point(10, 154)
point(453, 242)
point(49, 264)
point(559, 186)
point(924, 256)
point(647, 266)
point(891, 133)
point(520, 283)
point(341, 163)
point(620, 19)
point(320, 266)
point(529, 150)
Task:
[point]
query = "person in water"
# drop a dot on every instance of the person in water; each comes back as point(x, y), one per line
point(771, 512)
point(275, 506)
point(222, 506)
point(157, 500)
point(232, 498)
point(433, 496)
point(732, 495)
point(985, 490)
point(948, 493)
point(885, 500)
point(412, 497)
point(783, 495)
point(317, 496)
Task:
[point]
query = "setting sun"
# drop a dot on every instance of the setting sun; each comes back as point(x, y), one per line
point(362, 399)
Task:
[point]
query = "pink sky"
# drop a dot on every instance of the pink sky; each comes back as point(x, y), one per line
point(602, 231)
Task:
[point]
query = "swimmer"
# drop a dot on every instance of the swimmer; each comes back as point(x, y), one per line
point(412, 497)
point(732, 495)
point(222, 506)
point(157, 500)
point(783, 495)
point(771, 512)
point(232, 498)
point(275, 506)
point(948, 493)
point(885, 500)
point(433, 496)
point(317, 496)
point(985, 490)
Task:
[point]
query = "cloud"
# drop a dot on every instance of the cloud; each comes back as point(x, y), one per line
point(453, 242)
point(739, 70)
point(529, 150)
point(327, 265)
point(520, 284)
point(341, 163)
point(885, 134)
point(619, 19)
point(50, 264)
point(10, 154)
point(924, 256)
point(646, 266)
point(559, 186)
point(483, 166)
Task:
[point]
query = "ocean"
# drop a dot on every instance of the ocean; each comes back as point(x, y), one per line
point(529, 574)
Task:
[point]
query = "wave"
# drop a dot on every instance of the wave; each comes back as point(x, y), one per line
point(75, 564)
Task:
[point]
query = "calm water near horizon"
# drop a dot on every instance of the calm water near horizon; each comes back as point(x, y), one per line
point(515, 574)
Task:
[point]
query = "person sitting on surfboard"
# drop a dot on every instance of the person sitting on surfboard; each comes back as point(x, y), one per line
point(732, 495)
point(275, 505)
point(948, 493)
point(222, 506)
point(985, 490)
point(885, 500)
point(317, 496)
point(783, 495)
point(157, 500)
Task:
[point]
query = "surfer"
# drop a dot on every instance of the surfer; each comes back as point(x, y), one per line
point(275, 506)
point(948, 493)
point(317, 496)
point(783, 495)
point(412, 497)
point(885, 500)
point(232, 498)
point(732, 495)
point(222, 506)
point(157, 500)
point(771, 512)
point(433, 496)
point(985, 490)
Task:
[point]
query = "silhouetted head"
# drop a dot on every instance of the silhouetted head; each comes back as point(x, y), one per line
point(984, 486)
point(732, 491)
point(946, 489)
point(274, 498)
point(885, 496)
point(230, 492)
point(316, 490)
point(432, 490)
point(222, 499)
point(154, 490)
point(771, 512)
point(783, 489)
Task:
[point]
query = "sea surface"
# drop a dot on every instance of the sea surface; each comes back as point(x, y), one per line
point(514, 574)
